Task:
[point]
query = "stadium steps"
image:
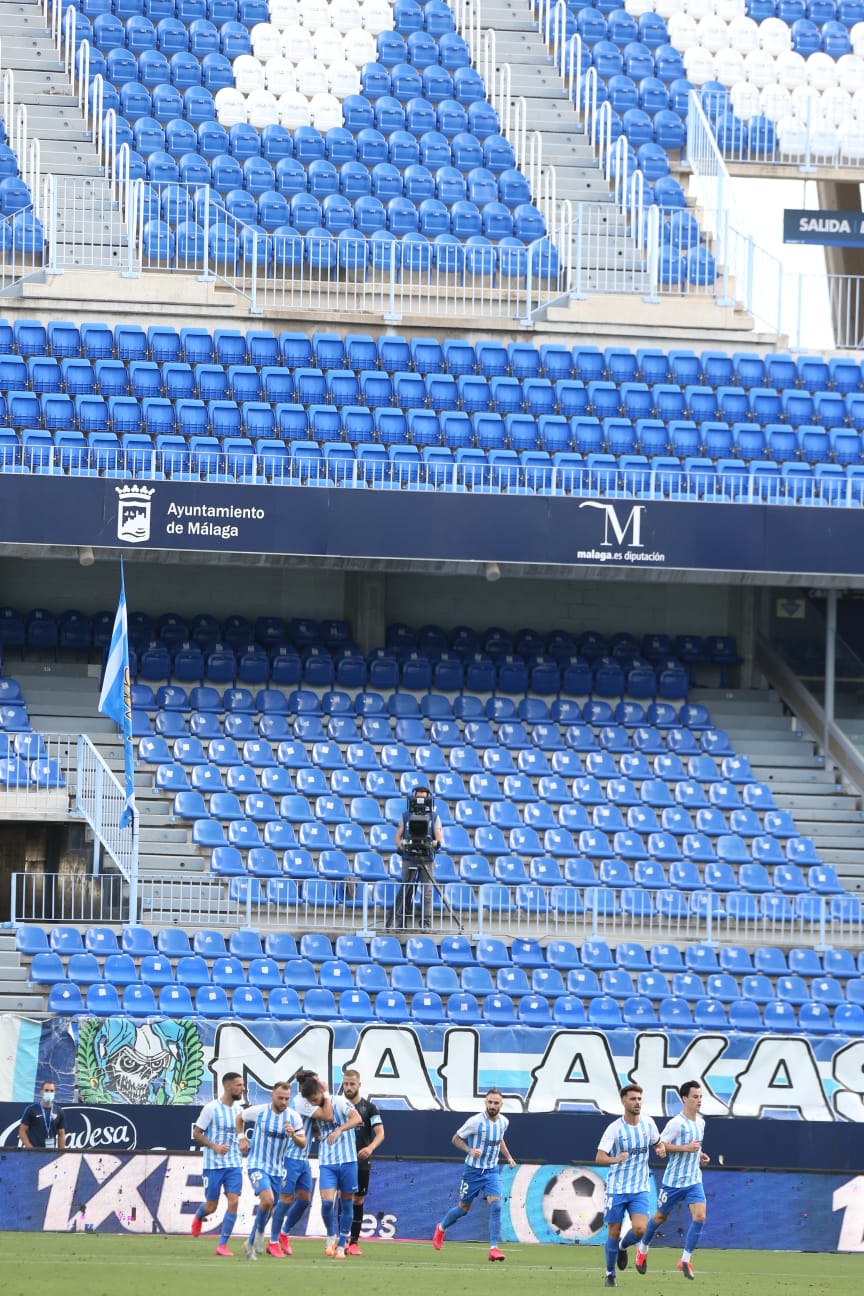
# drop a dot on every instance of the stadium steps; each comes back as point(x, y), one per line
point(565, 145)
point(785, 758)
point(66, 148)
point(15, 992)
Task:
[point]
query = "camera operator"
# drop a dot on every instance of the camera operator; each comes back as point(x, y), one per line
point(418, 837)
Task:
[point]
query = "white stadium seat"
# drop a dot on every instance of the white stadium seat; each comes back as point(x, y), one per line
point(712, 33)
point(821, 71)
point(850, 140)
point(248, 74)
point(345, 15)
point(730, 10)
point(230, 106)
point(792, 138)
point(791, 70)
point(775, 36)
point(266, 41)
point(746, 101)
point(824, 141)
point(698, 8)
point(683, 32)
point(297, 44)
point(284, 13)
point(262, 109)
point(837, 106)
point(666, 8)
point(359, 46)
point(314, 14)
point(761, 68)
point(807, 105)
point(636, 8)
point(698, 65)
point(850, 72)
point(377, 16)
point(344, 79)
point(729, 67)
point(280, 76)
point(328, 45)
point(326, 112)
point(743, 35)
point(311, 78)
point(294, 110)
point(776, 102)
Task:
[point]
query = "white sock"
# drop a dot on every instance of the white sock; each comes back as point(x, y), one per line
point(685, 1256)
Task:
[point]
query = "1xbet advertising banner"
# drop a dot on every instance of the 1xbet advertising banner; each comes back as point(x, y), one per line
point(151, 1193)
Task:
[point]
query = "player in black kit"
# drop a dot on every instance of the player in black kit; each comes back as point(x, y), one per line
point(369, 1135)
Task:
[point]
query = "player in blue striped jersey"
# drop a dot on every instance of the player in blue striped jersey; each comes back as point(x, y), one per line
point(481, 1138)
point(682, 1181)
point(219, 1131)
point(625, 1147)
point(296, 1195)
point(335, 1120)
point(273, 1128)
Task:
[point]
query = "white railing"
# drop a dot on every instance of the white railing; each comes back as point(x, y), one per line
point(70, 898)
point(305, 464)
point(39, 775)
point(100, 799)
point(368, 908)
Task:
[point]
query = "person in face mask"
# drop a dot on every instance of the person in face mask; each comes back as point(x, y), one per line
point(42, 1125)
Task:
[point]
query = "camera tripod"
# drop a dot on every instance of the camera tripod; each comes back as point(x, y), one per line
point(417, 873)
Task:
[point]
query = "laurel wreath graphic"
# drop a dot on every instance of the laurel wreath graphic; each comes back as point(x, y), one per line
point(90, 1070)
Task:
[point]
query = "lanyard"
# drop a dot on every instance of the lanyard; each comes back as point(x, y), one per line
point(46, 1119)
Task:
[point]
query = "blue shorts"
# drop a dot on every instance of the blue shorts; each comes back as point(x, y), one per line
point(343, 1177)
point(669, 1198)
point(620, 1204)
point(298, 1177)
point(479, 1183)
point(261, 1181)
point(228, 1180)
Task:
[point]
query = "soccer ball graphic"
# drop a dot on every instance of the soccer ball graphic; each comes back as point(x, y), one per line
point(573, 1204)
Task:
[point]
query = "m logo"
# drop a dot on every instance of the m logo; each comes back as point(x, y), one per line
point(133, 513)
point(633, 524)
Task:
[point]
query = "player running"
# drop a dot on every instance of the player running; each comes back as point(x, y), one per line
point(625, 1148)
point(481, 1138)
point(682, 1180)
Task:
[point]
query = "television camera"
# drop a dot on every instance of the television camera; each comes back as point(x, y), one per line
point(419, 836)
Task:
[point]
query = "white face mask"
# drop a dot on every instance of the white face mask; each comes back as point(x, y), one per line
point(48, 1097)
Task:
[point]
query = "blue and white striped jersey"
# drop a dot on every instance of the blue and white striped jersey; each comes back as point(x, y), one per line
point(344, 1150)
point(487, 1135)
point(300, 1122)
point(683, 1168)
point(632, 1175)
point(219, 1123)
point(270, 1137)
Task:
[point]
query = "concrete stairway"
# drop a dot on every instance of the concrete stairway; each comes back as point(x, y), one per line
point(785, 758)
point(67, 150)
point(565, 145)
point(16, 994)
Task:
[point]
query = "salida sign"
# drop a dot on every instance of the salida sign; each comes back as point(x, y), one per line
point(826, 228)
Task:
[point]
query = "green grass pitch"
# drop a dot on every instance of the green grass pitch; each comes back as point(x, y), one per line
point(65, 1264)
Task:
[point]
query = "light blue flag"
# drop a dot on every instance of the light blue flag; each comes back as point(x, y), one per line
point(116, 698)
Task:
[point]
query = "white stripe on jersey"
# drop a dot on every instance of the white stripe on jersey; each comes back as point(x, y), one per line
point(269, 1139)
point(344, 1150)
point(219, 1123)
point(632, 1175)
point(683, 1168)
point(487, 1135)
point(299, 1121)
